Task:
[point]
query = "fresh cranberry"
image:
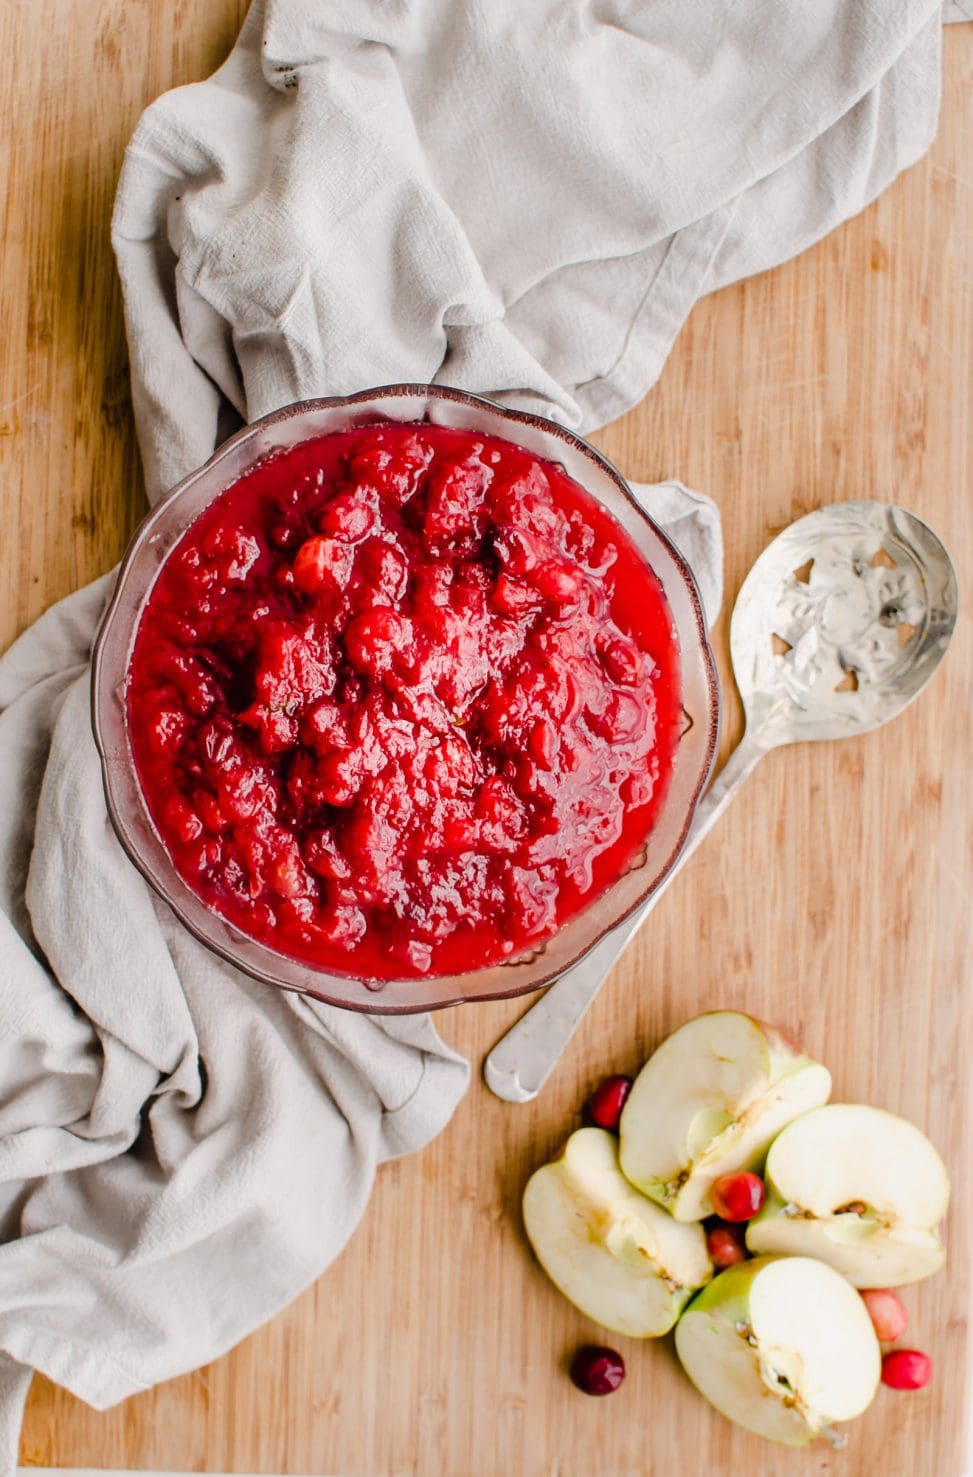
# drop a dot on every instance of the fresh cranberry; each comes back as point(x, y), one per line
point(597, 1370)
point(887, 1313)
point(607, 1101)
point(738, 1197)
point(726, 1245)
point(906, 1369)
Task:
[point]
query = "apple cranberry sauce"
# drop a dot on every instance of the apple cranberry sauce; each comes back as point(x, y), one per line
point(402, 700)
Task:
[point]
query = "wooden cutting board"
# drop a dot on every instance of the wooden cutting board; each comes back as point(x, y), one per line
point(835, 897)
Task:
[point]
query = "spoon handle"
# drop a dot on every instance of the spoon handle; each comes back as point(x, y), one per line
point(523, 1059)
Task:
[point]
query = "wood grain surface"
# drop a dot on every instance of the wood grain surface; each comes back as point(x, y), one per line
point(835, 898)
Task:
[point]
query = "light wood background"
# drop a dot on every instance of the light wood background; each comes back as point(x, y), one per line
point(835, 898)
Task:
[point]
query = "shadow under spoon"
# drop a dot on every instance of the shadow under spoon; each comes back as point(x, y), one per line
point(838, 626)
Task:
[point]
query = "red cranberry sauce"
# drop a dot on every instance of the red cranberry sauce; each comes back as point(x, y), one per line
point(402, 700)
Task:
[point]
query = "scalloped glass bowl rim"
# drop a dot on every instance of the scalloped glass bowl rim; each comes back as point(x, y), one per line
point(166, 524)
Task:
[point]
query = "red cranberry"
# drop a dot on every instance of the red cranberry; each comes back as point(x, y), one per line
point(558, 582)
point(596, 1370)
point(888, 1316)
point(607, 1101)
point(906, 1369)
point(621, 659)
point(725, 1245)
point(512, 597)
point(346, 517)
point(322, 561)
point(738, 1197)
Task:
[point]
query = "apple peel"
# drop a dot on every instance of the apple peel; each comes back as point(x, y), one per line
point(782, 1346)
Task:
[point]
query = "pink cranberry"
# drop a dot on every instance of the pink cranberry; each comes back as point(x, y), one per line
point(887, 1313)
point(596, 1370)
point(725, 1245)
point(738, 1197)
point(906, 1369)
point(607, 1101)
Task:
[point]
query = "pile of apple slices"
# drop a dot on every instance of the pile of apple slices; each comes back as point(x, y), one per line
point(781, 1343)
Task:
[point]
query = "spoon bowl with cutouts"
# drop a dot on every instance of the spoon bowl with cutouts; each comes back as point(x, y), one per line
point(840, 623)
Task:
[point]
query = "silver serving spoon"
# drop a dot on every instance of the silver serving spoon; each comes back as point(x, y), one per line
point(839, 624)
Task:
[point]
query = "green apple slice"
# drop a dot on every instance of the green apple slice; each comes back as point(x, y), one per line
point(611, 1252)
point(858, 1188)
point(708, 1102)
point(782, 1346)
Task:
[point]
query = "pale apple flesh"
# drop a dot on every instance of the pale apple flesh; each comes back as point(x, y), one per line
point(708, 1102)
point(783, 1346)
point(858, 1188)
point(609, 1250)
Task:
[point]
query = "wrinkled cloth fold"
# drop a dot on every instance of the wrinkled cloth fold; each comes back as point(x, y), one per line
point(524, 201)
point(520, 200)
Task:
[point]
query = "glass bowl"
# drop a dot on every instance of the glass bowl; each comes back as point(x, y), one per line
point(165, 526)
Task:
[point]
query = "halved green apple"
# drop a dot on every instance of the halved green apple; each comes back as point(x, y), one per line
point(611, 1252)
point(782, 1346)
point(858, 1188)
point(708, 1102)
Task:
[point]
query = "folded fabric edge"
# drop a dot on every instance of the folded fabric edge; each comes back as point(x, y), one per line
point(15, 1381)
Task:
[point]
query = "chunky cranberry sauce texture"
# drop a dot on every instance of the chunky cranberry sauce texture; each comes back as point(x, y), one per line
point(402, 700)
